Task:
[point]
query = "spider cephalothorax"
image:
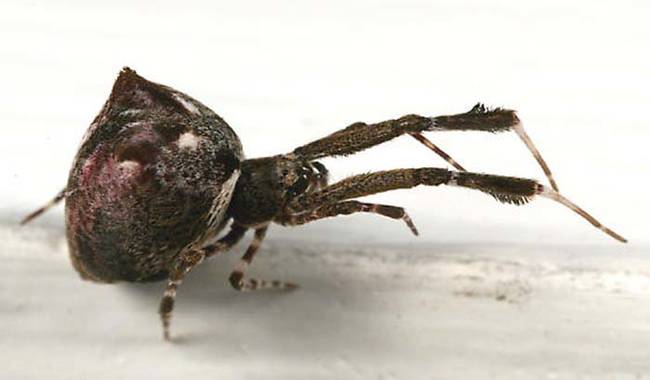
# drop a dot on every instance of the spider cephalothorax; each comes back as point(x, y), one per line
point(268, 185)
point(159, 175)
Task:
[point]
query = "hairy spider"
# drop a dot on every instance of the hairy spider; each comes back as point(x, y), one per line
point(158, 175)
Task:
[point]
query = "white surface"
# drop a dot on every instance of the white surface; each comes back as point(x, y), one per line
point(405, 312)
point(487, 290)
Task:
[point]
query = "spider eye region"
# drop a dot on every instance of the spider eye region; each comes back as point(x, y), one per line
point(302, 182)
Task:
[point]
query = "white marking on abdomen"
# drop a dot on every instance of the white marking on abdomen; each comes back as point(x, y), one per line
point(128, 165)
point(130, 112)
point(187, 104)
point(188, 140)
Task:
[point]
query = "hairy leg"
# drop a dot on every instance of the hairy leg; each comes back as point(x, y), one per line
point(505, 189)
point(347, 208)
point(360, 136)
point(237, 279)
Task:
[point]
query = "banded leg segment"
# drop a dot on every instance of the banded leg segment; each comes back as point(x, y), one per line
point(222, 245)
point(237, 279)
point(347, 208)
point(186, 262)
point(511, 190)
point(58, 198)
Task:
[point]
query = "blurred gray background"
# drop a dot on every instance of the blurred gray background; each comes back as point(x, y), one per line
point(487, 290)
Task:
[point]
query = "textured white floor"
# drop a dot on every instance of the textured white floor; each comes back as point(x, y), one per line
point(408, 312)
point(486, 291)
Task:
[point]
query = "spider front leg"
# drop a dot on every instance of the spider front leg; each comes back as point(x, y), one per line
point(347, 208)
point(360, 136)
point(511, 190)
point(237, 279)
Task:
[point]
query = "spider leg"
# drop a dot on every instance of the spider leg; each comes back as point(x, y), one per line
point(347, 208)
point(511, 190)
point(237, 279)
point(41, 210)
point(360, 136)
point(186, 262)
point(420, 137)
point(222, 245)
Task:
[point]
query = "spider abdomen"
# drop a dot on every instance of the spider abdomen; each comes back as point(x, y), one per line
point(153, 176)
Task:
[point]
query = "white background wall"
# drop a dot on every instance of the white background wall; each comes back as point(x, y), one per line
point(285, 72)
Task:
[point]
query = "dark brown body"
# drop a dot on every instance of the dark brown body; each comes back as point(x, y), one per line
point(154, 175)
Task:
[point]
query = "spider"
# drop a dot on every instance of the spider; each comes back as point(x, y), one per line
point(159, 175)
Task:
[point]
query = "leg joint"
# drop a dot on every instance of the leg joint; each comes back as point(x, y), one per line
point(237, 280)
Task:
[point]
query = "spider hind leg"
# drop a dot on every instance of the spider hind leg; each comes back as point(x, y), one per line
point(58, 198)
